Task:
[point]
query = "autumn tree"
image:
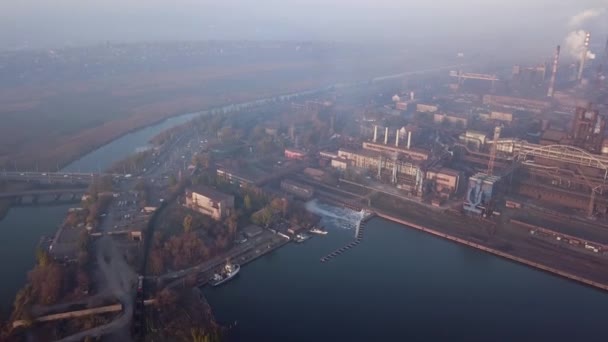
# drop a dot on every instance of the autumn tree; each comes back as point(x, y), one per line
point(167, 299)
point(43, 259)
point(187, 223)
point(156, 263)
point(232, 224)
point(247, 202)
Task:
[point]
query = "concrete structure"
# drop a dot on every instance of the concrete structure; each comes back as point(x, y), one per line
point(446, 181)
point(553, 137)
point(238, 177)
point(480, 192)
point(536, 106)
point(401, 106)
point(551, 89)
point(588, 129)
point(501, 116)
point(425, 108)
point(295, 154)
point(252, 231)
point(473, 139)
point(340, 163)
point(410, 153)
point(300, 190)
point(452, 119)
point(405, 175)
point(210, 202)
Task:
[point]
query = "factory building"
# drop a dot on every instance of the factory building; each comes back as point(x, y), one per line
point(588, 129)
point(299, 190)
point(406, 175)
point(517, 103)
point(450, 118)
point(445, 181)
point(295, 154)
point(479, 195)
point(473, 140)
point(210, 202)
point(426, 108)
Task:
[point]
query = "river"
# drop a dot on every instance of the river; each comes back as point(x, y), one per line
point(397, 282)
point(401, 284)
point(26, 225)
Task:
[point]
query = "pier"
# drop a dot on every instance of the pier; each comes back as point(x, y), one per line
point(358, 238)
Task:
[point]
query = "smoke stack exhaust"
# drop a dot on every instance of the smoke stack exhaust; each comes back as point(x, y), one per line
point(553, 73)
point(583, 57)
point(386, 136)
point(375, 133)
point(397, 138)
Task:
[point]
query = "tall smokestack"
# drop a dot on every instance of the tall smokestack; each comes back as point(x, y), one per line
point(411, 96)
point(375, 133)
point(397, 139)
point(386, 136)
point(409, 139)
point(583, 57)
point(553, 73)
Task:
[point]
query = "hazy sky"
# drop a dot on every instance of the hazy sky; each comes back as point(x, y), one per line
point(59, 22)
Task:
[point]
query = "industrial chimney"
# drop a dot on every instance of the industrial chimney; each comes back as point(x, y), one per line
point(553, 73)
point(386, 136)
point(409, 139)
point(397, 138)
point(411, 96)
point(583, 57)
point(375, 133)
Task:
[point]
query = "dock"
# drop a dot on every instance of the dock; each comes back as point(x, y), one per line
point(358, 238)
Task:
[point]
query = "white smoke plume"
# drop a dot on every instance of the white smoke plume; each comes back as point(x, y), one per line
point(575, 43)
point(580, 18)
point(590, 55)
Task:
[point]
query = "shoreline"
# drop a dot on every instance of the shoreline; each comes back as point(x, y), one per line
point(519, 260)
point(195, 114)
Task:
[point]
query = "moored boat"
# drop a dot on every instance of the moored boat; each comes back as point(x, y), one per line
point(226, 273)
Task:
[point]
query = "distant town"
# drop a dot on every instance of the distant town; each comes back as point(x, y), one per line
point(512, 162)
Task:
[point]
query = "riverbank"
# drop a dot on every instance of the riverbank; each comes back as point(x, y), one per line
point(499, 238)
point(496, 252)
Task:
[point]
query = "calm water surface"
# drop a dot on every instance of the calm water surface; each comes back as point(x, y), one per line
point(401, 284)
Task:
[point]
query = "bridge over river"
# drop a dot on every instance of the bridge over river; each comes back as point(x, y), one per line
point(57, 177)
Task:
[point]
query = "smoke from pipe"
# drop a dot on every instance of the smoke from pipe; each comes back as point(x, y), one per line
point(575, 44)
point(580, 18)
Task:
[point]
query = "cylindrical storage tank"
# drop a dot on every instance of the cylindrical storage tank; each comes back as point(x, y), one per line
point(605, 146)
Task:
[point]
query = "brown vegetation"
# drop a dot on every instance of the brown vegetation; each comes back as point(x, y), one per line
point(185, 315)
point(53, 123)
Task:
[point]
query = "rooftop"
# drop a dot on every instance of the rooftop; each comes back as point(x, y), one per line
point(210, 193)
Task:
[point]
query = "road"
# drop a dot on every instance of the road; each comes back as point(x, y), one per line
point(120, 280)
point(116, 274)
point(258, 243)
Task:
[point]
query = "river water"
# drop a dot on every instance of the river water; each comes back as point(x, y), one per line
point(23, 227)
point(400, 284)
point(397, 282)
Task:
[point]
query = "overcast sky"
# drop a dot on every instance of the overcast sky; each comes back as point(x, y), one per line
point(47, 23)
